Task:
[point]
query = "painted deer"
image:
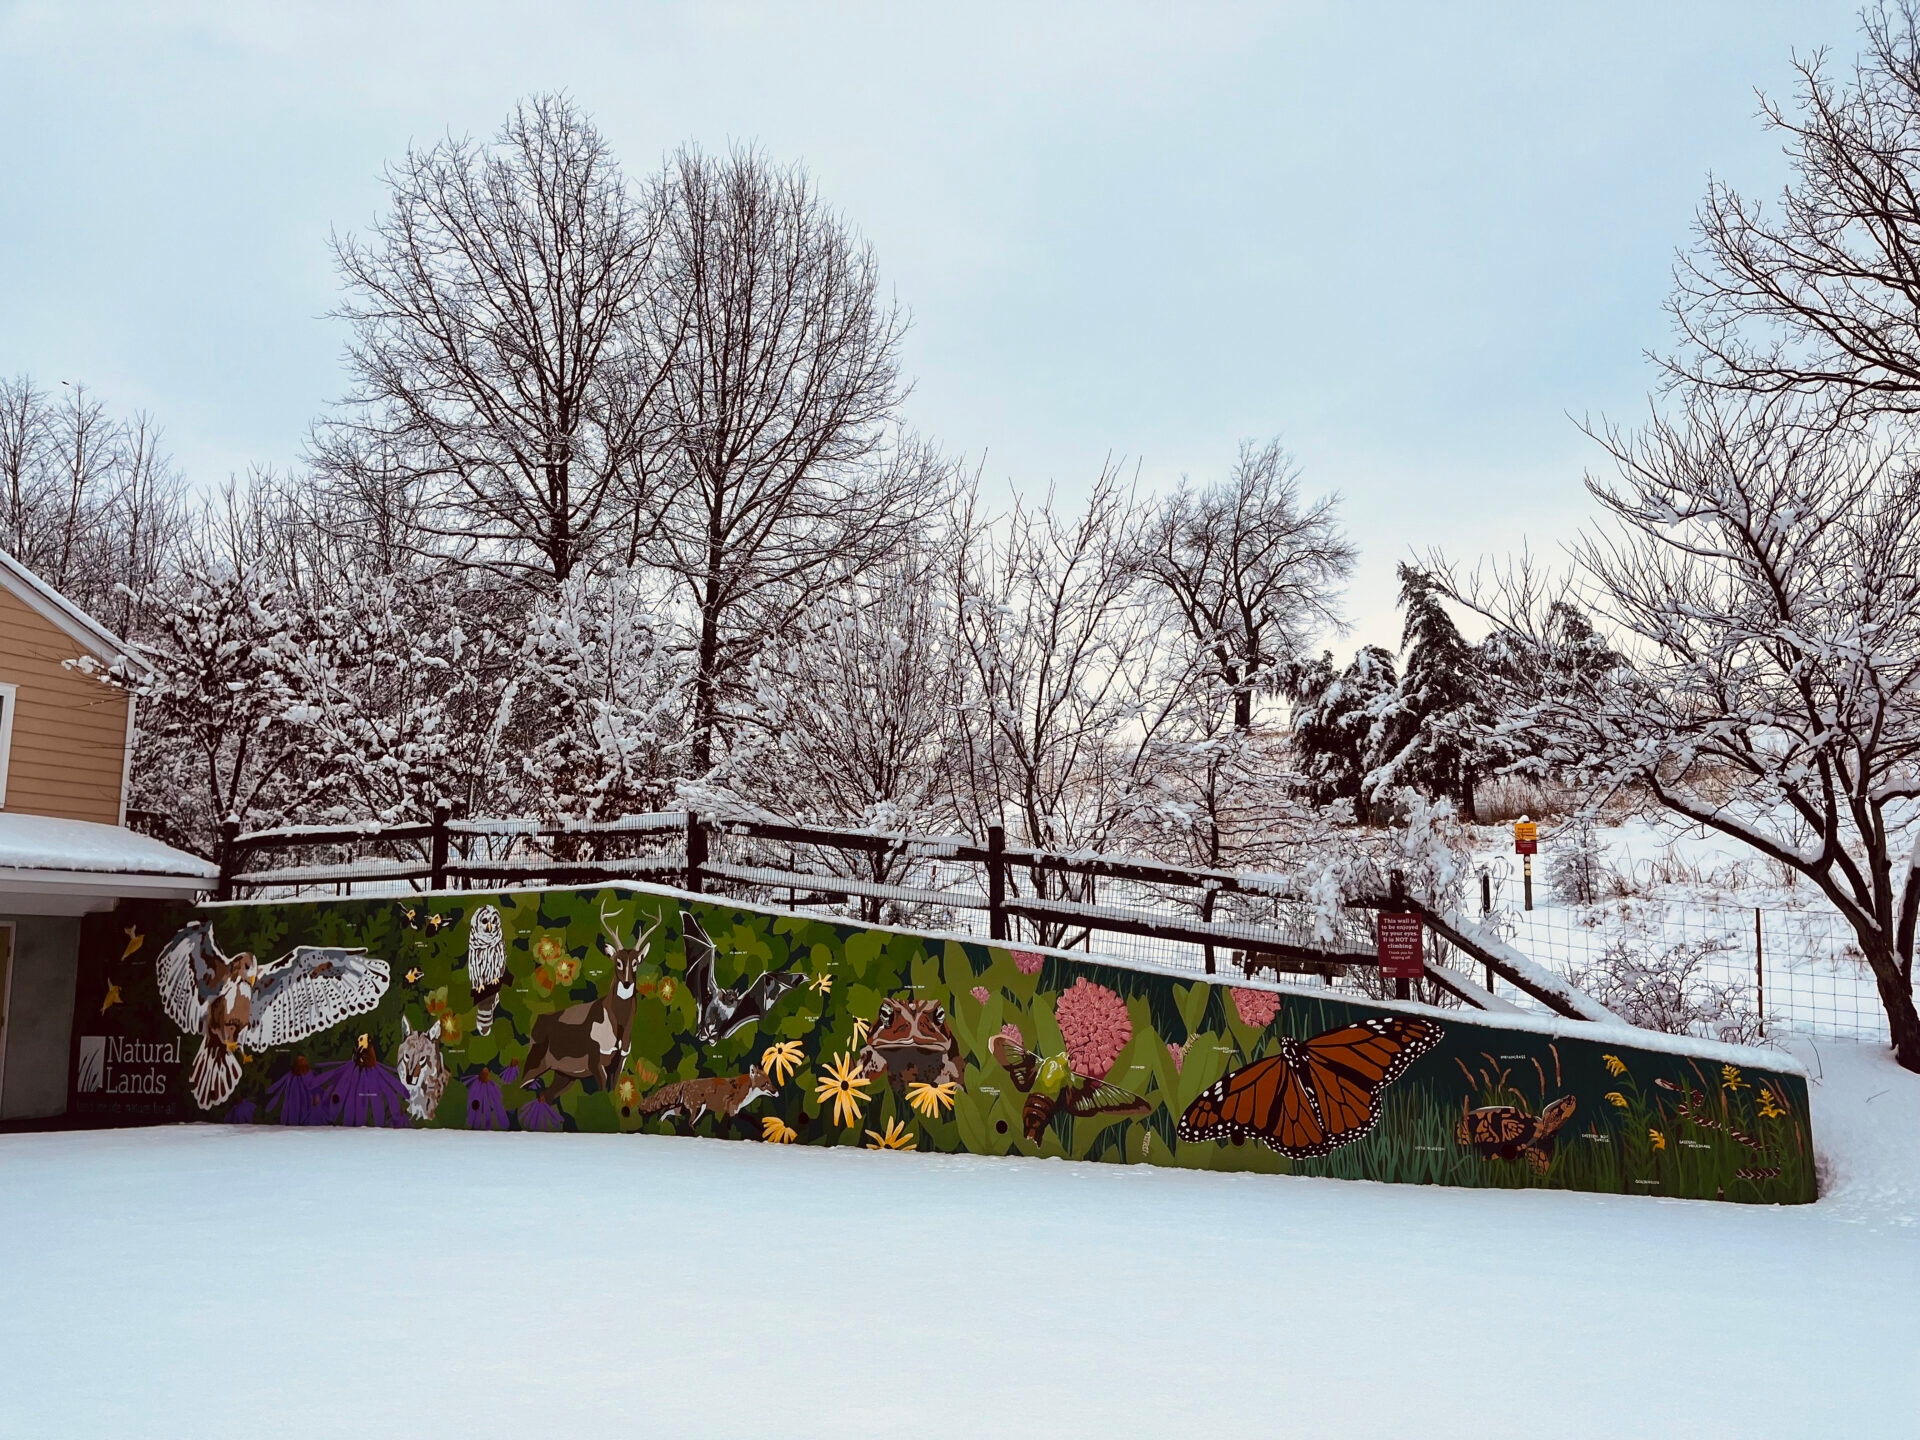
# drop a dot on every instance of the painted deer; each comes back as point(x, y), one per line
point(590, 1040)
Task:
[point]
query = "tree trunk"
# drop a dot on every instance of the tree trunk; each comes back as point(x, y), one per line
point(1896, 997)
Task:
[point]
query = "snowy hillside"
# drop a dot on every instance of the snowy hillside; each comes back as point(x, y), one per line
point(214, 1282)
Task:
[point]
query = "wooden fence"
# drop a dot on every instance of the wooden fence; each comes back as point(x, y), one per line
point(679, 848)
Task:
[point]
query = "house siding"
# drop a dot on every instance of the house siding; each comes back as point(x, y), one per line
point(69, 731)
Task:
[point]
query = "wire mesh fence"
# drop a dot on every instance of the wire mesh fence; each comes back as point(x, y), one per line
point(1767, 968)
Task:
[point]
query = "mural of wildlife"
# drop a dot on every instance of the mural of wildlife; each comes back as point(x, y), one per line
point(421, 1068)
point(235, 1002)
point(590, 1040)
point(1050, 1084)
point(912, 1043)
point(1508, 1131)
point(694, 1098)
point(486, 964)
point(1314, 1095)
point(723, 1011)
point(627, 1009)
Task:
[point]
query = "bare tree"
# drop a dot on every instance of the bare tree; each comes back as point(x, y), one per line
point(1059, 699)
point(91, 504)
point(1762, 578)
point(1819, 294)
point(507, 342)
point(849, 716)
point(778, 397)
point(1251, 571)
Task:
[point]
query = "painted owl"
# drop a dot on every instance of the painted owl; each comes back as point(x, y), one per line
point(486, 963)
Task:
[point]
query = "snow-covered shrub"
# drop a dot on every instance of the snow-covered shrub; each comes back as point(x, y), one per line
point(1577, 872)
point(1671, 990)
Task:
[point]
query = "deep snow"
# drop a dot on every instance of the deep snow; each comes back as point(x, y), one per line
point(212, 1282)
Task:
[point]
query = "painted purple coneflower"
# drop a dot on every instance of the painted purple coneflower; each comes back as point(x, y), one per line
point(298, 1097)
point(362, 1091)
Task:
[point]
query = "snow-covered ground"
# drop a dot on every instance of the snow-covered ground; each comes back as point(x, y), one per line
point(211, 1282)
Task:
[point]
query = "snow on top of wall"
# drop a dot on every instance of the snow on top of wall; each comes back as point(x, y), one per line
point(41, 842)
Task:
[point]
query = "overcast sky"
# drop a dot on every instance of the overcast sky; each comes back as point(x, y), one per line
point(1411, 240)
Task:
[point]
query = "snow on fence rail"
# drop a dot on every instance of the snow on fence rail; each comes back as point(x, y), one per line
point(1141, 910)
point(1776, 969)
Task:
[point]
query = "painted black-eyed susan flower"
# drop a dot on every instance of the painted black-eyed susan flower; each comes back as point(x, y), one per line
point(896, 1137)
point(776, 1131)
point(781, 1060)
point(929, 1100)
point(1656, 1139)
point(1614, 1097)
point(846, 1087)
point(1730, 1078)
point(861, 1029)
point(1615, 1065)
point(821, 984)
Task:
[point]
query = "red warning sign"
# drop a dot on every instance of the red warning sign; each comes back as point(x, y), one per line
point(1399, 938)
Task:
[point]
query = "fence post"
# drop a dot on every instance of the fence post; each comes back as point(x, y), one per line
point(229, 858)
point(696, 851)
point(1206, 915)
point(996, 882)
point(1397, 889)
point(1759, 971)
point(437, 856)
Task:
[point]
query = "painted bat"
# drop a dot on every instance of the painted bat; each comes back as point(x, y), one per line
point(1050, 1083)
point(723, 1011)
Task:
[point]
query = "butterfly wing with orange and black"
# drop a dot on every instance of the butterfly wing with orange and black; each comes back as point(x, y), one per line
point(1315, 1095)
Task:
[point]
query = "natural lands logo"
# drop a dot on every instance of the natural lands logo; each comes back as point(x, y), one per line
point(119, 1066)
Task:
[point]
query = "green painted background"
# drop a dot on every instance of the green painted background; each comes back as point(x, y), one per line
point(1710, 1131)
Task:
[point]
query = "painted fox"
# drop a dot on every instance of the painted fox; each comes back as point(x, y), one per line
point(694, 1098)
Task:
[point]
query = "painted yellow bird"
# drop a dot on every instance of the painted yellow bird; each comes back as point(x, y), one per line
point(113, 997)
point(134, 941)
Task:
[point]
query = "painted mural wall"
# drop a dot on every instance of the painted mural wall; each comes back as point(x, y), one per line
point(638, 1010)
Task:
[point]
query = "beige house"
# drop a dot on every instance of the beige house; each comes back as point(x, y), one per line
point(66, 751)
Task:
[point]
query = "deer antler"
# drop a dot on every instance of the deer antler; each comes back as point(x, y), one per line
point(613, 935)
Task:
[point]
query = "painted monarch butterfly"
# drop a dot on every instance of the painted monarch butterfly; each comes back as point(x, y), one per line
point(1315, 1095)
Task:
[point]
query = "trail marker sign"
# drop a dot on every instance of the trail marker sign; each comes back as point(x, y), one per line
point(1526, 838)
point(1400, 945)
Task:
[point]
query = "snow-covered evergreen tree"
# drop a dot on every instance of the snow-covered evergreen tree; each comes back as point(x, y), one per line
point(1335, 717)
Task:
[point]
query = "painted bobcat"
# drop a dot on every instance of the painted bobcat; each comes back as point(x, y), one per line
point(422, 1070)
point(693, 1098)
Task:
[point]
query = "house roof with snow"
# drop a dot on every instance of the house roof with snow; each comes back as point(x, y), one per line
point(57, 610)
point(73, 866)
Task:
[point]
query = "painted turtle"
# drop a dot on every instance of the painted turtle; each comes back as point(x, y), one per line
point(1507, 1132)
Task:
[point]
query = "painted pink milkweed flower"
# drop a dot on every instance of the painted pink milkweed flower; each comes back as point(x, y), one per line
point(1179, 1054)
point(1011, 1031)
point(1028, 962)
point(982, 994)
point(1257, 1007)
point(1095, 1024)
